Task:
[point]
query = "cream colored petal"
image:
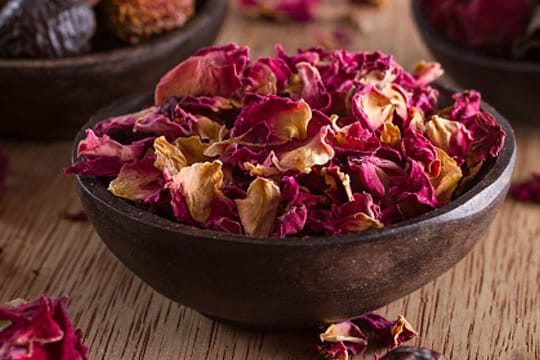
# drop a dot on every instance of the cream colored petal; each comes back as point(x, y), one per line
point(199, 183)
point(377, 106)
point(168, 156)
point(446, 183)
point(440, 131)
point(360, 222)
point(192, 148)
point(417, 121)
point(401, 326)
point(259, 209)
point(210, 130)
point(399, 99)
point(332, 182)
point(133, 184)
point(315, 152)
point(292, 124)
point(340, 332)
point(391, 134)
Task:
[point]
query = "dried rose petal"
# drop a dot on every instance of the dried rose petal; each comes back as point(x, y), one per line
point(358, 215)
point(40, 330)
point(316, 151)
point(271, 120)
point(426, 73)
point(528, 191)
point(355, 335)
point(199, 184)
point(169, 157)
point(100, 166)
point(123, 122)
point(95, 146)
point(138, 181)
point(414, 192)
point(451, 136)
point(390, 333)
point(372, 107)
point(210, 72)
point(448, 180)
point(341, 339)
point(258, 210)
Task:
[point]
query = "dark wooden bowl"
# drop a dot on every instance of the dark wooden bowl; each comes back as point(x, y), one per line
point(51, 99)
point(293, 282)
point(509, 85)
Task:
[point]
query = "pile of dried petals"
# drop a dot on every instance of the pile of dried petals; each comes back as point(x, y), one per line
point(318, 143)
point(352, 337)
point(39, 330)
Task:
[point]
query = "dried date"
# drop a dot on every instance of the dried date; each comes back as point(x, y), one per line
point(134, 21)
point(45, 29)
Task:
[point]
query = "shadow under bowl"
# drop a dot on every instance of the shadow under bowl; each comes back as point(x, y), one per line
point(509, 85)
point(293, 282)
point(50, 99)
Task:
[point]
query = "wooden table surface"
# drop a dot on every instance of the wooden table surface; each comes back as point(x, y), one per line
point(487, 307)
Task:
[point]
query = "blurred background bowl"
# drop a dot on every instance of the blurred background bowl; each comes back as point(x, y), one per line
point(293, 282)
point(50, 99)
point(509, 85)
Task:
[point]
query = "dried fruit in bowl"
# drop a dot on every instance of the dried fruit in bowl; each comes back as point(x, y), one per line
point(45, 29)
point(489, 24)
point(312, 144)
point(137, 20)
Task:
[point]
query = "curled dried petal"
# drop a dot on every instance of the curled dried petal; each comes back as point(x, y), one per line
point(210, 72)
point(316, 152)
point(168, 156)
point(199, 184)
point(193, 149)
point(345, 331)
point(427, 72)
point(138, 181)
point(372, 107)
point(451, 136)
point(95, 146)
point(258, 210)
point(448, 180)
point(271, 120)
point(391, 134)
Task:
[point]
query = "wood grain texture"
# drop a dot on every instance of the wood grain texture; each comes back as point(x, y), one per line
point(487, 307)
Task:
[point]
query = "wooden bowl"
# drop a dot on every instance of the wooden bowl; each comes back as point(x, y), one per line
point(509, 85)
point(293, 282)
point(51, 99)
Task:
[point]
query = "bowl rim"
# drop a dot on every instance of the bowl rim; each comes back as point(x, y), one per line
point(436, 39)
point(129, 52)
point(91, 186)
